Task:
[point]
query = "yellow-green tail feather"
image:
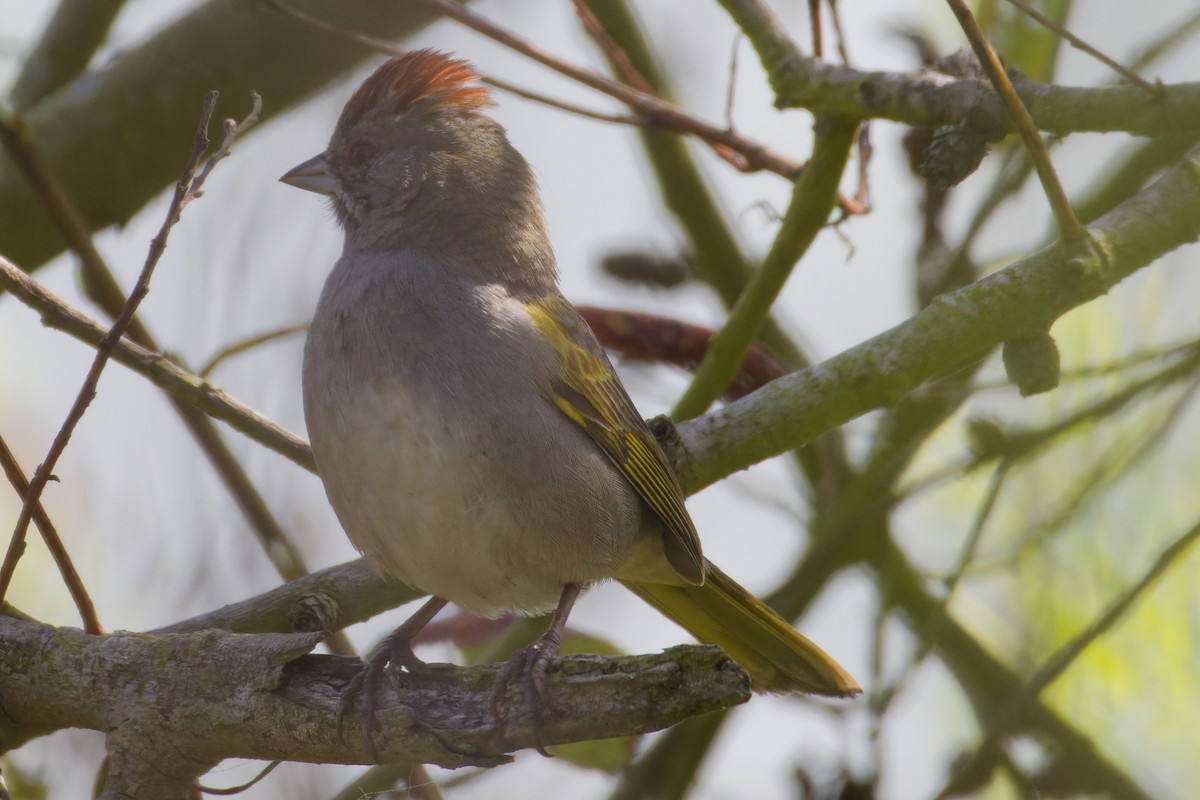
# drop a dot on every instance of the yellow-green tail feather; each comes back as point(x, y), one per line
point(775, 655)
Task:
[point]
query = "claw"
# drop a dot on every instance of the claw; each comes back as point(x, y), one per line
point(530, 664)
point(394, 652)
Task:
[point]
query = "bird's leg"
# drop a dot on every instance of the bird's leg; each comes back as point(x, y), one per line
point(395, 651)
point(530, 663)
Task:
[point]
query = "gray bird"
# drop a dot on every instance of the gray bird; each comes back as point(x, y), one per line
point(471, 434)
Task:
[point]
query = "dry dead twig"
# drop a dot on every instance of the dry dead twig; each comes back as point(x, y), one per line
point(188, 187)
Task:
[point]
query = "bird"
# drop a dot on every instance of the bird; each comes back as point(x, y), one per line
point(471, 434)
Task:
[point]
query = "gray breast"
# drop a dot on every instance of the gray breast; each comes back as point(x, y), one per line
point(441, 455)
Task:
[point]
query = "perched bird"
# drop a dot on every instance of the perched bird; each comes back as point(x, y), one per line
point(471, 434)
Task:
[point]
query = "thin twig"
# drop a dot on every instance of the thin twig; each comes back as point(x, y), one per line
point(233, 130)
point(384, 46)
point(88, 391)
point(612, 51)
point(743, 154)
point(731, 86)
point(862, 194)
point(814, 21)
point(16, 547)
point(836, 19)
point(232, 790)
point(651, 108)
point(186, 388)
point(561, 105)
point(1068, 225)
point(101, 287)
point(754, 156)
point(244, 345)
point(1080, 44)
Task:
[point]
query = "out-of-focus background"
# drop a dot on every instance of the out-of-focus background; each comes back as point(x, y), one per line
point(157, 538)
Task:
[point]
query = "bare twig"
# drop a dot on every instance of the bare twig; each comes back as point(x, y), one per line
point(836, 18)
point(730, 87)
point(16, 546)
point(814, 21)
point(1068, 225)
point(88, 391)
point(562, 105)
point(743, 154)
point(188, 187)
point(1080, 44)
point(862, 194)
point(188, 389)
point(754, 156)
point(616, 56)
point(233, 130)
point(102, 288)
point(232, 790)
point(384, 46)
point(244, 345)
point(653, 110)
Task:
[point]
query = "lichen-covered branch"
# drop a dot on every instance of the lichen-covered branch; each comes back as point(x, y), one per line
point(175, 705)
point(930, 99)
point(329, 599)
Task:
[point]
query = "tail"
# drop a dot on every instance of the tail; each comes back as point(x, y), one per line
point(721, 612)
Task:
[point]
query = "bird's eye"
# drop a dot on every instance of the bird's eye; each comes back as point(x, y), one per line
point(358, 156)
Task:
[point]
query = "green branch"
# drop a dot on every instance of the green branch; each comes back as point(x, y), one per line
point(812, 201)
point(936, 100)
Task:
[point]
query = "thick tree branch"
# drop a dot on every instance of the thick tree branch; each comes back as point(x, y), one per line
point(329, 599)
point(177, 704)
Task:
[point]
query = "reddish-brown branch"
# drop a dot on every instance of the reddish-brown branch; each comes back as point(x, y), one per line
point(743, 154)
point(647, 337)
point(87, 392)
point(616, 56)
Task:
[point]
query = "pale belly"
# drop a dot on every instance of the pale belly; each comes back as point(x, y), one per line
point(493, 511)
